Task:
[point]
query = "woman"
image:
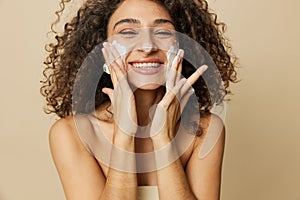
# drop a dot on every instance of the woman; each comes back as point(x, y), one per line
point(138, 104)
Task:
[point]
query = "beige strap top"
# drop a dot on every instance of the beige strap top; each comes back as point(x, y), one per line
point(148, 193)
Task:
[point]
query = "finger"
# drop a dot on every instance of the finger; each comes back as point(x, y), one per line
point(179, 69)
point(171, 94)
point(170, 57)
point(186, 98)
point(109, 55)
point(117, 58)
point(171, 78)
point(177, 66)
point(177, 59)
point(193, 78)
point(173, 73)
point(109, 51)
point(118, 72)
point(110, 93)
point(111, 70)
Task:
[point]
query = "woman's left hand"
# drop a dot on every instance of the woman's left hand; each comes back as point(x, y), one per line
point(169, 109)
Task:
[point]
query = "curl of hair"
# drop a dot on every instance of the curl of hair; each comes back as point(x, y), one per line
point(88, 29)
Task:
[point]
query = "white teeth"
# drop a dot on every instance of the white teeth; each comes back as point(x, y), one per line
point(146, 65)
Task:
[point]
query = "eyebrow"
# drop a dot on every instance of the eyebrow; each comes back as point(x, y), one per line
point(135, 21)
point(163, 21)
point(128, 21)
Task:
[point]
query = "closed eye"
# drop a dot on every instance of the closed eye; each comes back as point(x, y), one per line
point(128, 33)
point(163, 33)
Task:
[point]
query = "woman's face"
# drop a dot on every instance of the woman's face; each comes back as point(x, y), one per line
point(145, 29)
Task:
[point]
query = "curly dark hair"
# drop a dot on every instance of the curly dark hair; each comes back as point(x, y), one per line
point(89, 29)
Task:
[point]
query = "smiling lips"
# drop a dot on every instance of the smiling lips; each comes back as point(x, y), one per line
point(147, 67)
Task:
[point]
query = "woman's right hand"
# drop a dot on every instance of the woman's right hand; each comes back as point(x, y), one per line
point(121, 97)
point(125, 127)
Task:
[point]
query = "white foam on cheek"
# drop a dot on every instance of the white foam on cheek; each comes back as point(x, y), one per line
point(169, 53)
point(121, 49)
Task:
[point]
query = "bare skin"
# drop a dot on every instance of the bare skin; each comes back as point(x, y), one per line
point(188, 177)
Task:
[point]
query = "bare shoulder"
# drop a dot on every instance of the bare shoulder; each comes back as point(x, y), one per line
point(204, 168)
point(63, 133)
point(69, 122)
point(210, 120)
point(71, 159)
point(213, 133)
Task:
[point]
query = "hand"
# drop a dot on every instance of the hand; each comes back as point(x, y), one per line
point(121, 97)
point(169, 109)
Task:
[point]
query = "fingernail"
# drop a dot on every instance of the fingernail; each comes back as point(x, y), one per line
point(202, 68)
point(181, 53)
point(183, 80)
point(191, 90)
point(103, 51)
point(105, 44)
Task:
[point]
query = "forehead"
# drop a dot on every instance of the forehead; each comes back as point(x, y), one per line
point(145, 11)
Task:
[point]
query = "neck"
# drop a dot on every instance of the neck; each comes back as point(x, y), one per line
point(144, 100)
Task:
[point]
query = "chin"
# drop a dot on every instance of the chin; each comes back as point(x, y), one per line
point(147, 85)
point(150, 86)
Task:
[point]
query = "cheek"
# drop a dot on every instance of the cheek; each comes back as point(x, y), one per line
point(123, 50)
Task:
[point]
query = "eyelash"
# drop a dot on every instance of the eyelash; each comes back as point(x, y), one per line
point(128, 32)
point(158, 32)
point(164, 32)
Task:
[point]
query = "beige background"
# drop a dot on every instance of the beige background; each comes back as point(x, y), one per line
point(262, 159)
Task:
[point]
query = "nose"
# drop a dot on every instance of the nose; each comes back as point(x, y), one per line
point(147, 44)
point(148, 47)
